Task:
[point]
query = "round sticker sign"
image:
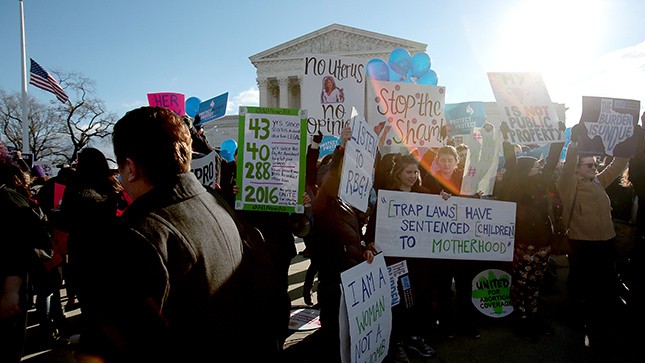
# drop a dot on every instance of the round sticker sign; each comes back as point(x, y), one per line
point(491, 293)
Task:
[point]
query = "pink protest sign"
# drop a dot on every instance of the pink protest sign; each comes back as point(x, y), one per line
point(59, 190)
point(173, 101)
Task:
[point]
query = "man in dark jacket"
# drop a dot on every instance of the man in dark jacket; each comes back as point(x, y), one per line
point(174, 291)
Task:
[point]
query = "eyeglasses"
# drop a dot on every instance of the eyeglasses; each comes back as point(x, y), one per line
point(589, 165)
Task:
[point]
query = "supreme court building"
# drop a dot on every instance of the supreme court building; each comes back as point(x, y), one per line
point(279, 70)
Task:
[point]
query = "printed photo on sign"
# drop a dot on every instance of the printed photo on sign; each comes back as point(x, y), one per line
point(366, 314)
point(406, 115)
point(426, 226)
point(491, 293)
point(526, 108)
point(608, 126)
point(271, 159)
point(331, 86)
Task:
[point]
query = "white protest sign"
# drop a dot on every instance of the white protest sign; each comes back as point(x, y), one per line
point(356, 178)
point(525, 106)
point(205, 169)
point(480, 169)
point(271, 160)
point(425, 225)
point(331, 86)
point(367, 305)
point(404, 114)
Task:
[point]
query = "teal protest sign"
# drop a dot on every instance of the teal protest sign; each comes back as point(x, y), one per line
point(462, 117)
point(212, 109)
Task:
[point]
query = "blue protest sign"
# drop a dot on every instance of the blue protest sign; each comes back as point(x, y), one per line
point(462, 117)
point(328, 145)
point(212, 109)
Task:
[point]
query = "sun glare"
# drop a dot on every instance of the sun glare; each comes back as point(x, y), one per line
point(549, 36)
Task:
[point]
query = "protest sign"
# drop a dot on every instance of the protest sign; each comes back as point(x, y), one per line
point(396, 271)
point(461, 118)
point(173, 101)
point(407, 115)
point(480, 169)
point(205, 169)
point(271, 159)
point(425, 225)
point(524, 104)
point(303, 319)
point(212, 109)
point(47, 167)
point(331, 86)
point(608, 125)
point(59, 191)
point(491, 293)
point(356, 178)
point(366, 315)
point(328, 145)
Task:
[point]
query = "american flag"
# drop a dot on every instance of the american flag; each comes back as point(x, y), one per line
point(42, 79)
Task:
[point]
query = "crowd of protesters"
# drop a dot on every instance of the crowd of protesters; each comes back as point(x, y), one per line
point(164, 268)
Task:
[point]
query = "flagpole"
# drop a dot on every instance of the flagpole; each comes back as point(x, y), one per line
point(25, 120)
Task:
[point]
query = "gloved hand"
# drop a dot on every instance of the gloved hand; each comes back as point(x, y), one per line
point(318, 137)
point(504, 129)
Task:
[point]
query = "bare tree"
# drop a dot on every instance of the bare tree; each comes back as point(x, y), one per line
point(46, 132)
point(84, 116)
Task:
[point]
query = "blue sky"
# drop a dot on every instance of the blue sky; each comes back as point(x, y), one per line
point(201, 47)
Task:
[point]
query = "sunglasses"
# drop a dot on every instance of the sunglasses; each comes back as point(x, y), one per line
point(589, 165)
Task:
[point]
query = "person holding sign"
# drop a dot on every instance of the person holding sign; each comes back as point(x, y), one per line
point(337, 233)
point(527, 183)
point(587, 212)
point(446, 181)
point(407, 317)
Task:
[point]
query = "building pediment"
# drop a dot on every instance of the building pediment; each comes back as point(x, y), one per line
point(337, 39)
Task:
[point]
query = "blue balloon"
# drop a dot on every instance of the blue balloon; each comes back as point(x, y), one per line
point(229, 145)
point(429, 78)
point(378, 70)
point(394, 77)
point(192, 106)
point(400, 61)
point(226, 155)
point(420, 64)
